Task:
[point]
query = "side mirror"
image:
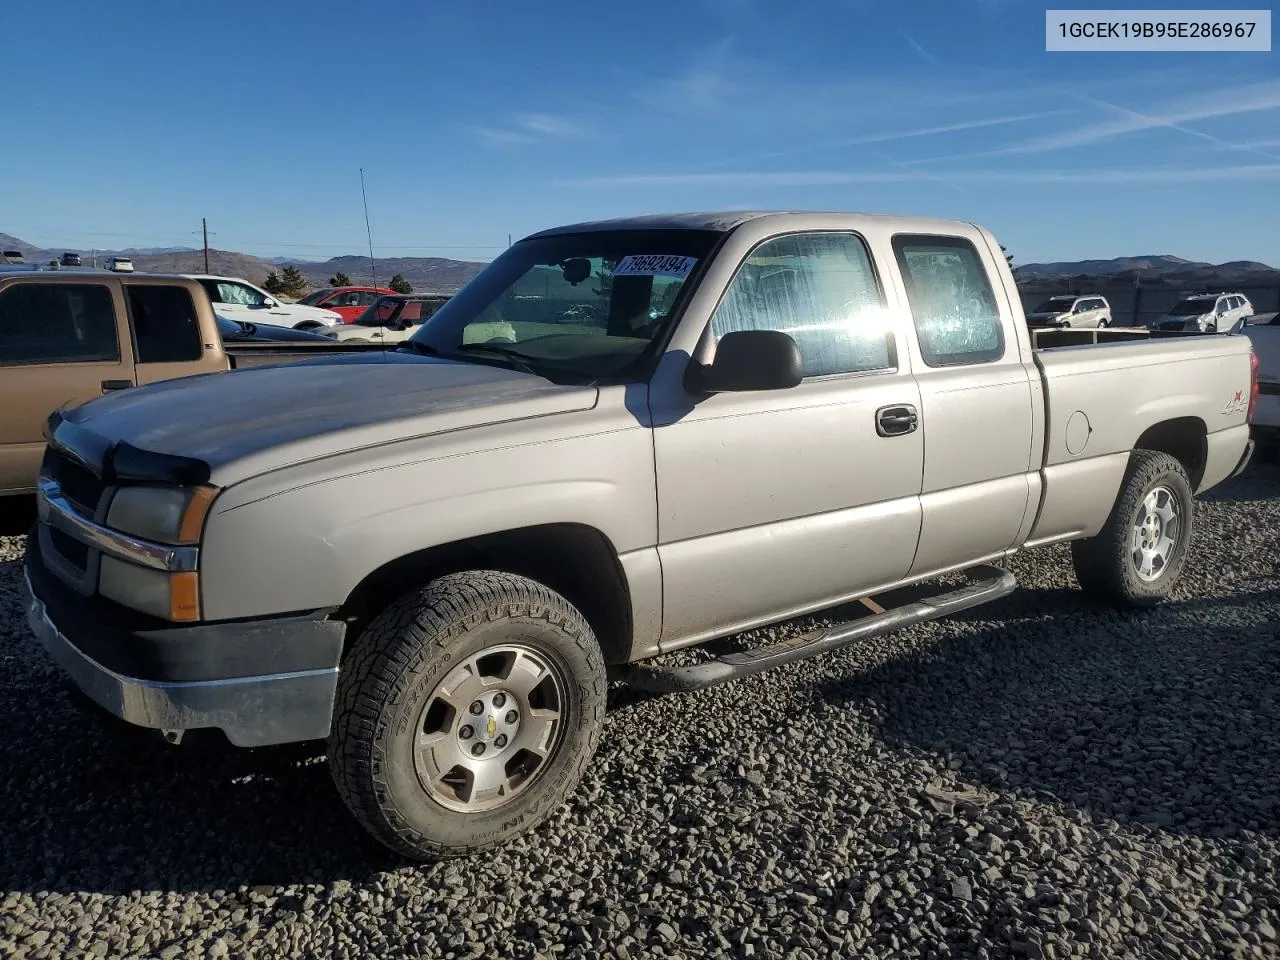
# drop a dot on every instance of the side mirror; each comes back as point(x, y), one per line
point(749, 360)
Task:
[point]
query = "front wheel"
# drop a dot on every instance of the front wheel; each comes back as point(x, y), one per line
point(307, 325)
point(1137, 557)
point(466, 713)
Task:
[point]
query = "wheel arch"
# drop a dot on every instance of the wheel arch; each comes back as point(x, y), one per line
point(1186, 439)
point(575, 560)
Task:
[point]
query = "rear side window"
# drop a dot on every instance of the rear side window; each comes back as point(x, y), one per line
point(165, 327)
point(952, 303)
point(821, 290)
point(57, 323)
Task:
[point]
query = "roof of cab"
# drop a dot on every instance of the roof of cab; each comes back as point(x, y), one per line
point(722, 221)
point(74, 273)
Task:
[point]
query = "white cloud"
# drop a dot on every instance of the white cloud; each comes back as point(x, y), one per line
point(954, 127)
point(528, 128)
point(548, 125)
point(833, 178)
point(496, 136)
point(1212, 105)
point(921, 52)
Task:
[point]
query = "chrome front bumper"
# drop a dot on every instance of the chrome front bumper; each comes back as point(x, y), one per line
point(251, 711)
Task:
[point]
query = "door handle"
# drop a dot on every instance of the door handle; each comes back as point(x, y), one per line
point(116, 385)
point(894, 421)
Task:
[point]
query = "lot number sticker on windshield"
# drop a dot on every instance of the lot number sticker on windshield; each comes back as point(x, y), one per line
point(654, 265)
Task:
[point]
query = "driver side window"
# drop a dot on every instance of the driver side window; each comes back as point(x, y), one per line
point(821, 290)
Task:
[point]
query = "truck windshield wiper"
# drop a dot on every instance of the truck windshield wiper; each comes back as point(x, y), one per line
point(515, 356)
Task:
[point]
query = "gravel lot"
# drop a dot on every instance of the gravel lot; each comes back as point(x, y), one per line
point(1039, 778)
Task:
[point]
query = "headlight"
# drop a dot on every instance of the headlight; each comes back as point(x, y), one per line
point(164, 514)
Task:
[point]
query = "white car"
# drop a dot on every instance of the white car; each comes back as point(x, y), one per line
point(390, 319)
point(241, 300)
point(1205, 313)
point(1071, 311)
point(120, 264)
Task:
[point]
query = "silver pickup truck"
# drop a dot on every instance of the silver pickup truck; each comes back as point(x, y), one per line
point(621, 439)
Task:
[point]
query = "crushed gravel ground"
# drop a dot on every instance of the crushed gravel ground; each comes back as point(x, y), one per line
point(1037, 778)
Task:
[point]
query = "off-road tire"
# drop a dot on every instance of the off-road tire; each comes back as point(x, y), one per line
point(392, 670)
point(1104, 563)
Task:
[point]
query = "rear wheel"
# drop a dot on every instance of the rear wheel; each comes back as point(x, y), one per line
point(1138, 556)
point(466, 713)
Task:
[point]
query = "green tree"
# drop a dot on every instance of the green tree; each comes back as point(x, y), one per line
point(400, 285)
point(273, 284)
point(339, 279)
point(292, 282)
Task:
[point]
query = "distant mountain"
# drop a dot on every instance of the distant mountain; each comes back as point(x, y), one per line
point(425, 274)
point(129, 250)
point(28, 251)
point(1149, 267)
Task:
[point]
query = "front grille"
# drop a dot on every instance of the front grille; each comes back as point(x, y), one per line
point(72, 551)
point(78, 483)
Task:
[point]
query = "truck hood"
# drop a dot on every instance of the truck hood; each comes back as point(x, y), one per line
point(247, 422)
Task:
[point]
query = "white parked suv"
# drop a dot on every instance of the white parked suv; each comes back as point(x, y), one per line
point(240, 300)
point(1071, 311)
point(1206, 313)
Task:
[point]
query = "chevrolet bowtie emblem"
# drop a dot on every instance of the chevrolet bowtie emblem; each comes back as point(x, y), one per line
point(492, 726)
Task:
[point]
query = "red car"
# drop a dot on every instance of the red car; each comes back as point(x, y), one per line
point(347, 302)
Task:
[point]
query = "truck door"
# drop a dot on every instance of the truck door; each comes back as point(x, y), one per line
point(166, 333)
point(60, 346)
point(976, 402)
point(777, 500)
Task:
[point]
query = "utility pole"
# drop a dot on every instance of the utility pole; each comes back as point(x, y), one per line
point(508, 241)
point(204, 226)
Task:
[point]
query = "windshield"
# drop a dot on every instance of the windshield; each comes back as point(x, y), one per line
point(1055, 305)
point(586, 305)
point(314, 297)
point(1191, 308)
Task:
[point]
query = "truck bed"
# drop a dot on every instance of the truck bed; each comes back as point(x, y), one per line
point(1099, 401)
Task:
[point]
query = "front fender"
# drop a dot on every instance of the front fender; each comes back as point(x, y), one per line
point(309, 546)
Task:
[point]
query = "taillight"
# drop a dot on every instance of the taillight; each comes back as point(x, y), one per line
point(1253, 385)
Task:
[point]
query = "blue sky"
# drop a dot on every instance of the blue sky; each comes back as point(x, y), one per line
point(127, 121)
